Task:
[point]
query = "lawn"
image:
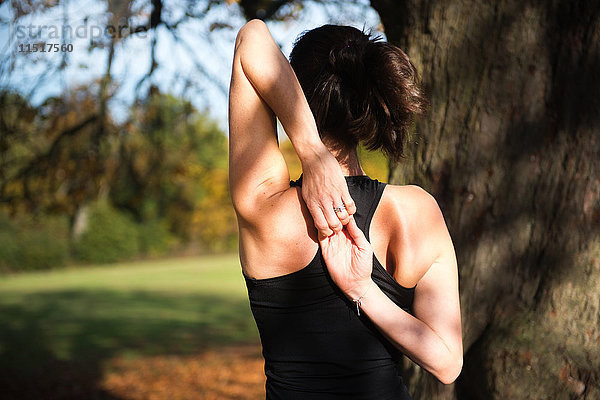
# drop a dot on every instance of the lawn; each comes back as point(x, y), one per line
point(123, 331)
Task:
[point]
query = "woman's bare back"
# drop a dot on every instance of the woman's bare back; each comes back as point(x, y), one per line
point(285, 240)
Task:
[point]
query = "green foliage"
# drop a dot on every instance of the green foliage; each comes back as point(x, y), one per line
point(111, 235)
point(42, 250)
point(53, 157)
point(33, 243)
point(155, 239)
point(214, 219)
point(173, 168)
point(10, 246)
point(166, 168)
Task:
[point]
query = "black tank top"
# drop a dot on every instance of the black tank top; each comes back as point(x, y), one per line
point(314, 344)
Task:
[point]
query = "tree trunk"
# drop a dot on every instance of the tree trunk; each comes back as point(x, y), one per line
point(511, 151)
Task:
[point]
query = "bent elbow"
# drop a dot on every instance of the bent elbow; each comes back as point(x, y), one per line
point(250, 28)
point(451, 371)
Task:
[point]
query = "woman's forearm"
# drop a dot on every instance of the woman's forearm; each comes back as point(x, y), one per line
point(273, 78)
point(412, 336)
point(274, 81)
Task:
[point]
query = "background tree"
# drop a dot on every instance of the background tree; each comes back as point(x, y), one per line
point(511, 151)
point(48, 162)
point(173, 167)
point(163, 174)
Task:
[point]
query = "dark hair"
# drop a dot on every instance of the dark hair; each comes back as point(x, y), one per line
point(359, 88)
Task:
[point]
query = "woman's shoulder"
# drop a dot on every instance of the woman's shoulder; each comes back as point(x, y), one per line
point(407, 198)
point(414, 219)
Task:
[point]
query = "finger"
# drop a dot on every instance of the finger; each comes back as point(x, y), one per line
point(342, 215)
point(334, 240)
point(325, 231)
point(332, 220)
point(348, 202)
point(356, 234)
point(323, 239)
point(320, 222)
point(345, 220)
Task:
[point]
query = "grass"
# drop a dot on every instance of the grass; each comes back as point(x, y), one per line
point(78, 320)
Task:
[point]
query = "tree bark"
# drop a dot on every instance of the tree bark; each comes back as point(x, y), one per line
point(510, 148)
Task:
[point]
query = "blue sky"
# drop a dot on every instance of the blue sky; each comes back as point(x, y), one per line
point(213, 51)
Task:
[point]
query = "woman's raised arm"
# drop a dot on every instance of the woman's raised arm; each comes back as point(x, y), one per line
point(264, 86)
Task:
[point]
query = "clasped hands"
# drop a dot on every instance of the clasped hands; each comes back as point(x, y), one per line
point(345, 249)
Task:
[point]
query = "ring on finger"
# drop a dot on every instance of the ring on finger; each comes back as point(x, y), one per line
point(339, 209)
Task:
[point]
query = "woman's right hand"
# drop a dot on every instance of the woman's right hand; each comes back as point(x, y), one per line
point(349, 259)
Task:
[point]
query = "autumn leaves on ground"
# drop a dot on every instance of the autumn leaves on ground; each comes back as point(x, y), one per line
point(171, 329)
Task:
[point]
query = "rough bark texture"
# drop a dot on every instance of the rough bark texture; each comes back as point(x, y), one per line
point(511, 151)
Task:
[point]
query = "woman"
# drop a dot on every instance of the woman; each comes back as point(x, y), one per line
point(344, 273)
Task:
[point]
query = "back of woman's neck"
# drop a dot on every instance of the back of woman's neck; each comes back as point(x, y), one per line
point(349, 162)
point(352, 171)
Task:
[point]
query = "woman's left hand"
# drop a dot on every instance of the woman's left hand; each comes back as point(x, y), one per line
point(349, 259)
point(324, 189)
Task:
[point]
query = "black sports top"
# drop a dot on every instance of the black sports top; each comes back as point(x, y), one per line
point(314, 344)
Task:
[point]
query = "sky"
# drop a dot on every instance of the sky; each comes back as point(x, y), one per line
point(177, 72)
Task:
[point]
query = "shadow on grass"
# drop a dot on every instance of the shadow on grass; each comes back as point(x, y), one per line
point(53, 344)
